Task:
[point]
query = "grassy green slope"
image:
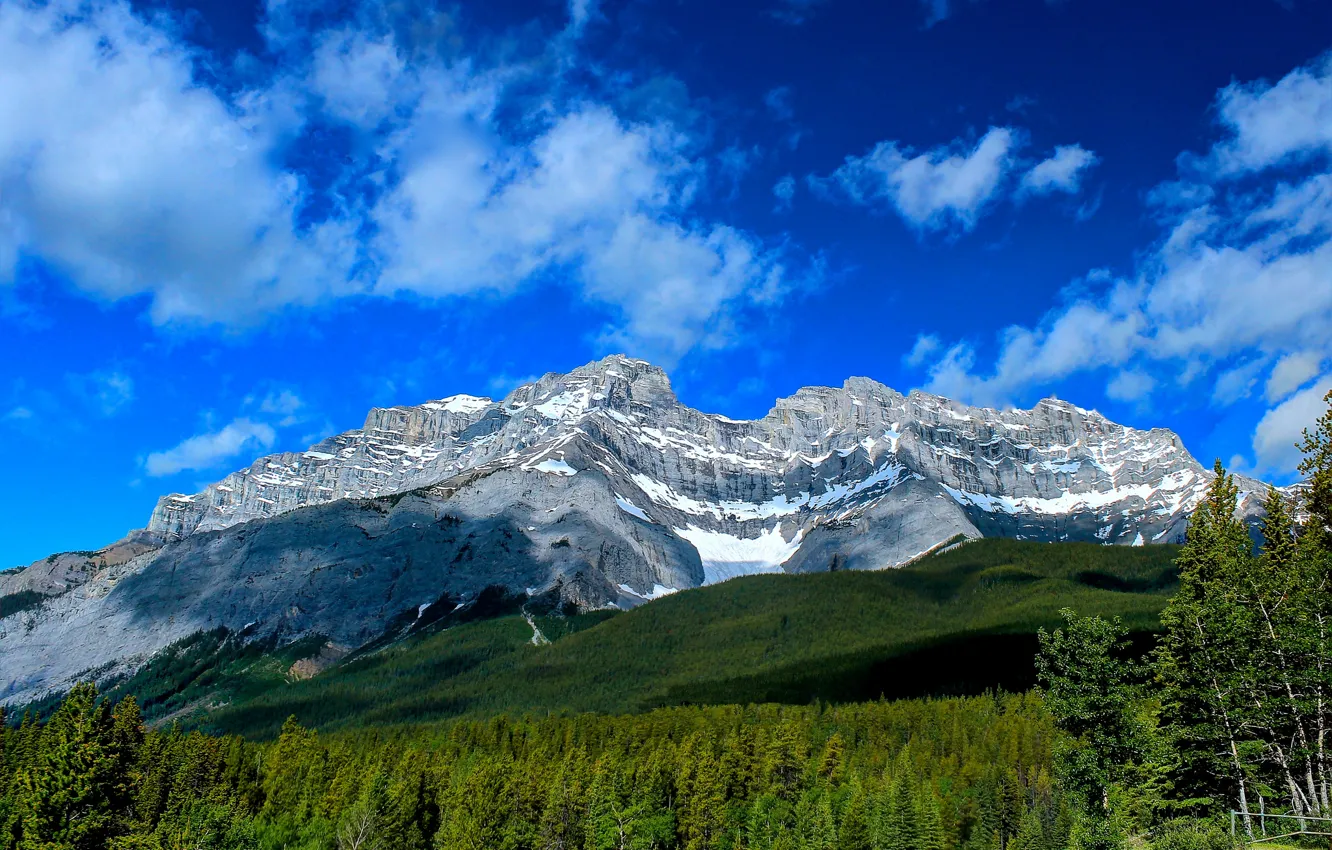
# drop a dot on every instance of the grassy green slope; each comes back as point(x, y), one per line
point(953, 623)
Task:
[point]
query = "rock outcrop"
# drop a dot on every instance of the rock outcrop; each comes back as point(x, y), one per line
point(597, 487)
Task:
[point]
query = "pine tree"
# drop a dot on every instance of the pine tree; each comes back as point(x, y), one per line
point(929, 822)
point(64, 796)
point(767, 822)
point(1316, 466)
point(1030, 833)
point(1207, 633)
point(854, 831)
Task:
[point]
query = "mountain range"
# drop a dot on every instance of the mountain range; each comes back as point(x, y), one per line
point(592, 489)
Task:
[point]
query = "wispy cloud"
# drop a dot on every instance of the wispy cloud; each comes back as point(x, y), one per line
point(1062, 172)
point(784, 191)
point(796, 12)
point(1236, 286)
point(943, 188)
point(109, 392)
point(438, 197)
point(950, 187)
point(209, 450)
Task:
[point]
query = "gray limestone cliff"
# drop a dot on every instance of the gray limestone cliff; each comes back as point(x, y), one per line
point(597, 487)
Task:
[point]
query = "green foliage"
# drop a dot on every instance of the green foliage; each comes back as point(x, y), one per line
point(957, 623)
point(869, 776)
point(1091, 682)
point(1191, 834)
point(24, 600)
point(1239, 709)
point(1317, 469)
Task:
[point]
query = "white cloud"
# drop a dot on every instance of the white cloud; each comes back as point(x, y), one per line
point(121, 169)
point(1062, 172)
point(784, 191)
point(205, 451)
point(1238, 382)
point(926, 346)
point(285, 404)
point(1130, 385)
point(1275, 438)
point(19, 413)
point(672, 284)
point(1240, 275)
point(945, 187)
point(1271, 123)
point(1292, 372)
point(591, 192)
point(778, 101)
point(580, 12)
point(130, 177)
point(360, 78)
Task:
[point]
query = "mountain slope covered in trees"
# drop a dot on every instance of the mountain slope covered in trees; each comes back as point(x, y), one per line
point(954, 623)
point(941, 775)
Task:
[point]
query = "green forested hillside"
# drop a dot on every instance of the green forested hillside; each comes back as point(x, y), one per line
point(913, 775)
point(955, 623)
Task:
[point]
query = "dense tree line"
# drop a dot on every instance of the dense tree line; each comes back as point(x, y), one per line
point(963, 774)
point(1233, 711)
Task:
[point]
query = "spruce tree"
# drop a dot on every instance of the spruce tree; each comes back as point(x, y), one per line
point(1030, 833)
point(1316, 466)
point(1206, 642)
point(929, 823)
point(64, 797)
point(854, 830)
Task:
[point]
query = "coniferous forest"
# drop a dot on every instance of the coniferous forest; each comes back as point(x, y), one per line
point(1231, 710)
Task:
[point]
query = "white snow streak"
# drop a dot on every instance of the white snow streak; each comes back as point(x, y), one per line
point(726, 556)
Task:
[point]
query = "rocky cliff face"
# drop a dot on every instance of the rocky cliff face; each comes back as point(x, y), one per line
point(597, 487)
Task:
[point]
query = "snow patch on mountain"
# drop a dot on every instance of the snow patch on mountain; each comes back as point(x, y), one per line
point(630, 508)
point(726, 556)
point(555, 467)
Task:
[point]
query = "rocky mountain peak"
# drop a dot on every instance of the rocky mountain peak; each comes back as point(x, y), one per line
point(596, 486)
point(616, 382)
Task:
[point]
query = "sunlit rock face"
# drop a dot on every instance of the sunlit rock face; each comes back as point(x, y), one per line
point(597, 487)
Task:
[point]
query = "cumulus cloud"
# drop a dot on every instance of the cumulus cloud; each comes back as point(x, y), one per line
point(1281, 428)
point(285, 404)
point(1292, 372)
point(1062, 172)
point(208, 450)
point(1270, 124)
point(944, 187)
point(120, 169)
point(926, 346)
point(1130, 385)
point(949, 187)
point(359, 77)
point(1236, 284)
point(593, 192)
point(125, 172)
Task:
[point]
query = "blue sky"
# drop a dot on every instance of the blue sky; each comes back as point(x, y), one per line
point(231, 228)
